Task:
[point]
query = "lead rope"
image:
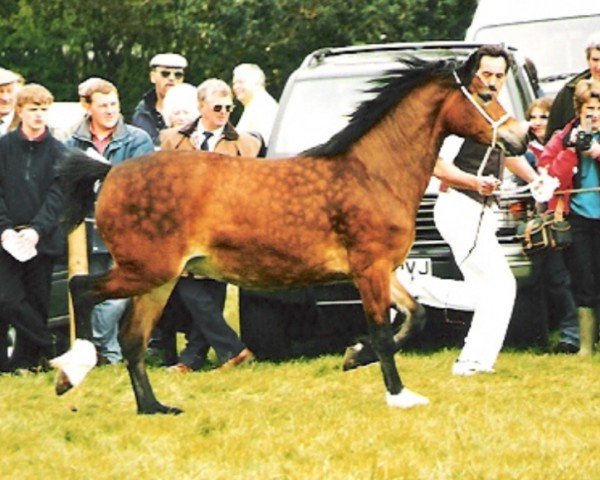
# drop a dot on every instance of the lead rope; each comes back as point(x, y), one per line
point(495, 124)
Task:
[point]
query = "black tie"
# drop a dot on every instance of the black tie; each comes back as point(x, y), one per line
point(204, 145)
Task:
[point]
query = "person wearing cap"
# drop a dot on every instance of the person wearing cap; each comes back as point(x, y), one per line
point(103, 132)
point(563, 109)
point(8, 93)
point(166, 71)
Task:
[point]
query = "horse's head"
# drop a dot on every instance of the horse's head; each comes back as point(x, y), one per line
point(474, 111)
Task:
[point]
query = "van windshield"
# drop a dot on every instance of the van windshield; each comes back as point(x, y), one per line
point(317, 108)
point(557, 46)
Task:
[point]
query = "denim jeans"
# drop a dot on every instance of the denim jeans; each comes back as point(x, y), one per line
point(106, 316)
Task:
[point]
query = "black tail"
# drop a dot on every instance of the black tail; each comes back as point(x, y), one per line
point(78, 174)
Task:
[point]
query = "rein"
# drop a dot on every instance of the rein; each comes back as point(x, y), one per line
point(495, 124)
point(519, 192)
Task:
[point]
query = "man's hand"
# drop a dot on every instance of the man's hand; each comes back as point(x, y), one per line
point(21, 245)
point(6, 234)
point(30, 237)
point(594, 151)
point(543, 186)
point(487, 185)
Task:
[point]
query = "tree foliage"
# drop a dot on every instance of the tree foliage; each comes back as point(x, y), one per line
point(60, 42)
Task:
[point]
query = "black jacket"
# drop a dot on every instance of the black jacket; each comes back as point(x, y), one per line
point(148, 118)
point(29, 191)
point(563, 109)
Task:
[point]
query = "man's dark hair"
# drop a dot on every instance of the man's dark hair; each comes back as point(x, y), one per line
point(471, 65)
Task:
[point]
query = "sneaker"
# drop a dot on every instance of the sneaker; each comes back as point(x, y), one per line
point(245, 356)
point(467, 368)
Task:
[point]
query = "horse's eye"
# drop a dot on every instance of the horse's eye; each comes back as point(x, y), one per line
point(485, 97)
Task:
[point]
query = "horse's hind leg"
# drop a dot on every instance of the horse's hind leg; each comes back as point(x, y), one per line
point(85, 299)
point(74, 365)
point(374, 286)
point(140, 319)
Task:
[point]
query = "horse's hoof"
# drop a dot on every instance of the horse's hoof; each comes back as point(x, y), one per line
point(74, 365)
point(359, 355)
point(160, 409)
point(62, 384)
point(406, 399)
point(174, 410)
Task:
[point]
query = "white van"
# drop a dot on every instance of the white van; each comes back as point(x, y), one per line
point(552, 33)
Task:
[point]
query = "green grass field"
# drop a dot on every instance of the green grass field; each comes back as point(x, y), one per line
point(537, 417)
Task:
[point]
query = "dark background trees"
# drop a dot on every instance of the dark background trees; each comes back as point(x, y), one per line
point(60, 42)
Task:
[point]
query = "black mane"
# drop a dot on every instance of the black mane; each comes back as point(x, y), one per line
point(390, 89)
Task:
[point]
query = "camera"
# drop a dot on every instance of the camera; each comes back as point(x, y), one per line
point(583, 137)
point(583, 141)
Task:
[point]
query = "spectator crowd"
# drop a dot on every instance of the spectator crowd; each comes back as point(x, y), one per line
point(171, 115)
point(564, 142)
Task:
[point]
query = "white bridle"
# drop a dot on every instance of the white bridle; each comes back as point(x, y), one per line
point(495, 124)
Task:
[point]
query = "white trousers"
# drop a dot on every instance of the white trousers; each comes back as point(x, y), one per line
point(489, 287)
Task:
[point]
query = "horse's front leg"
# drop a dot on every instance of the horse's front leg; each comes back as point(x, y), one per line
point(133, 337)
point(374, 286)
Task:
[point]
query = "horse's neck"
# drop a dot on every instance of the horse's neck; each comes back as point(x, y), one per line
point(403, 147)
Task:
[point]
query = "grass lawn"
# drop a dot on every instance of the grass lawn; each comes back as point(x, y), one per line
point(537, 417)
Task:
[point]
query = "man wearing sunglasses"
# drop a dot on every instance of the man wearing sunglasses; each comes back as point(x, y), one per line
point(212, 131)
point(166, 71)
point(201, 300)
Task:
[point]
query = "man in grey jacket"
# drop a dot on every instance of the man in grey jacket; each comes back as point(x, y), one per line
point(105, 133)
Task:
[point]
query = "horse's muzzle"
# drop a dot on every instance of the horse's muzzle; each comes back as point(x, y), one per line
point(513, 141)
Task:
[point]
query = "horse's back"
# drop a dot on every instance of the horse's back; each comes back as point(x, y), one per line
point(252, 221)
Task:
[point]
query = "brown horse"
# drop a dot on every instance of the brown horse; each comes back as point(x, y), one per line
point(342, 211)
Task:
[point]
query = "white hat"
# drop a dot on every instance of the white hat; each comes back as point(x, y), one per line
point(6, 76)
point(169, 60)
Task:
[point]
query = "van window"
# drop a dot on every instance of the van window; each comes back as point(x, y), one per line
point(316, 108)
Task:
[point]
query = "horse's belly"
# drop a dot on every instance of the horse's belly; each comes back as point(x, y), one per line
point(272, 268)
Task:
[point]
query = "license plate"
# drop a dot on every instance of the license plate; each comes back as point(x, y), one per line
point(418, 266)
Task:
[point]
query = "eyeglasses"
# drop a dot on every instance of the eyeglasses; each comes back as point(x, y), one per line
point(217, 108)
point(538, 117)
point(178, 74)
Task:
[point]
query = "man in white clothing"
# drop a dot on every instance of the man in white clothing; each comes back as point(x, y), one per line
point(260, 108)
point(465, 216)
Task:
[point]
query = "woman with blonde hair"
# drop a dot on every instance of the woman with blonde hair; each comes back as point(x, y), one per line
point(180, 106)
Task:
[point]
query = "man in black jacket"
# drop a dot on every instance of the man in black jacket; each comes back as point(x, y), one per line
point(30, 205)
point(563, 110)
point(166, 71)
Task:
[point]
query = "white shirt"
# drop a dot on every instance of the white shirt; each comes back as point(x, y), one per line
point(212, 140)
point(259, 115)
